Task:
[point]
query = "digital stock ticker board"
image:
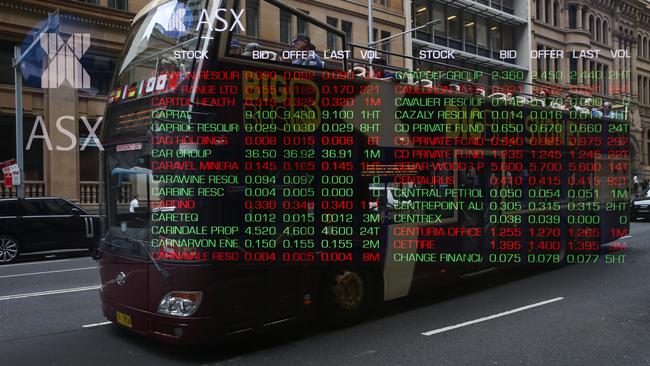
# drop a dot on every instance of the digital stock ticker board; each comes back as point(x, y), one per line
point(300, 166)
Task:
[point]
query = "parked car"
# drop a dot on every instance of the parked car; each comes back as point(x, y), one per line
point(44, 224)
point(640, 206)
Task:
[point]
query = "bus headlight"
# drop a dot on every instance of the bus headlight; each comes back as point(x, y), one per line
point(180, 303)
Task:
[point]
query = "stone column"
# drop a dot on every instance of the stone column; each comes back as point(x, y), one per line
point(61, 165)
point(579, 78)
point(628, 66)
point(579, 17)
point(644, 148)
point(566, 69)
point(551, 66)
point(617, 65)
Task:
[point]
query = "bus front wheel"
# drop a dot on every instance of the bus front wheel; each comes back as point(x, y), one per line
point(346, 296)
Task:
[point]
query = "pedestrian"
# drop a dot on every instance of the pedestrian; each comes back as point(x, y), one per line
point(250, 48)
point(235, 47)
point(134, 204)
point(635, 180)
point(607, 110)
point(302, 42)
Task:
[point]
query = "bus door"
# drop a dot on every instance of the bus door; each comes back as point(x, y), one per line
point(419, 216)
point(125, 272)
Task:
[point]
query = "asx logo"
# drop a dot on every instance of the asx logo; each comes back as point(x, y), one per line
point(64, 61)
point(174, 19)
point(90, 140)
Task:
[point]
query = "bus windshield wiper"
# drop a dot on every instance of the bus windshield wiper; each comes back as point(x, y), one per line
point(163, 271)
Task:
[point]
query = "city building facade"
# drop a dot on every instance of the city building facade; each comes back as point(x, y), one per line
point(597, 30)
point(477, 31)
point(52, 165)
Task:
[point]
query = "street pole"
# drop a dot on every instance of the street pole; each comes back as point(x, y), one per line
point(371, 41)
point(370, 25)
point(18, 79)
point(52, 24)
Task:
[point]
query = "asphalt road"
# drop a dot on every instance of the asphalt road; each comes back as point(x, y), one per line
point(578, 315)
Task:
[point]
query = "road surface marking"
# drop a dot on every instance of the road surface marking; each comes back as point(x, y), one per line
point(440, 330)
point(95, 325)
point(39, 262)
point(51, 292)
point(46, 272)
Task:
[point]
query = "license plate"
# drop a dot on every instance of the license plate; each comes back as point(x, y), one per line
point(124, 319)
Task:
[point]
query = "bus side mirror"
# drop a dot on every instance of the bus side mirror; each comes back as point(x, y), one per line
point(76, 211)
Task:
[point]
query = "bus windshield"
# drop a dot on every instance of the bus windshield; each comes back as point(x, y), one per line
point(149, 49)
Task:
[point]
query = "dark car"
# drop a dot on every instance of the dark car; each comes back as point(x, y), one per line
point(640, 207)
point(44, 224)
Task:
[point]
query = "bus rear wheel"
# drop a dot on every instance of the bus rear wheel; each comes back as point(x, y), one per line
point(346, 296)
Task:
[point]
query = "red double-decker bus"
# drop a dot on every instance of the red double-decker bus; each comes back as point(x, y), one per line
point(252, 181)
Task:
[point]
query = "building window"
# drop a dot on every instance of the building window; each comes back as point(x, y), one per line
point(538, 9)
point(556, 13)
point(382, 2)
point(507, 35)
point(252, 17)
point(118, 4)
point(454, 28)
point(573, 68)
point(469, 27)
point(482, 39)
point(495, 35)
point(573, 17)
point(440, 29)
point(303, 25)
point(547, 12)
point(285, 26)
point(94, 2)
point(605, 32)
point(639, 47)
point(100, 69)
point(422, 16)
point(508, 6)
point(89, 156)
point(386, 45)
point(6, 58)
point(496, 4)
point(346, 27)
point(331, 37)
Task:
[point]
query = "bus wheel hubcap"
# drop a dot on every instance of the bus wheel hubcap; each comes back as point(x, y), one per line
point(348, 290)
point(8, 250)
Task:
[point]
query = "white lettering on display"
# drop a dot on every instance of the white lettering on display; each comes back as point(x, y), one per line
point(92, 135)
point(222, 23)
point(437, 54)
point(190, 54)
